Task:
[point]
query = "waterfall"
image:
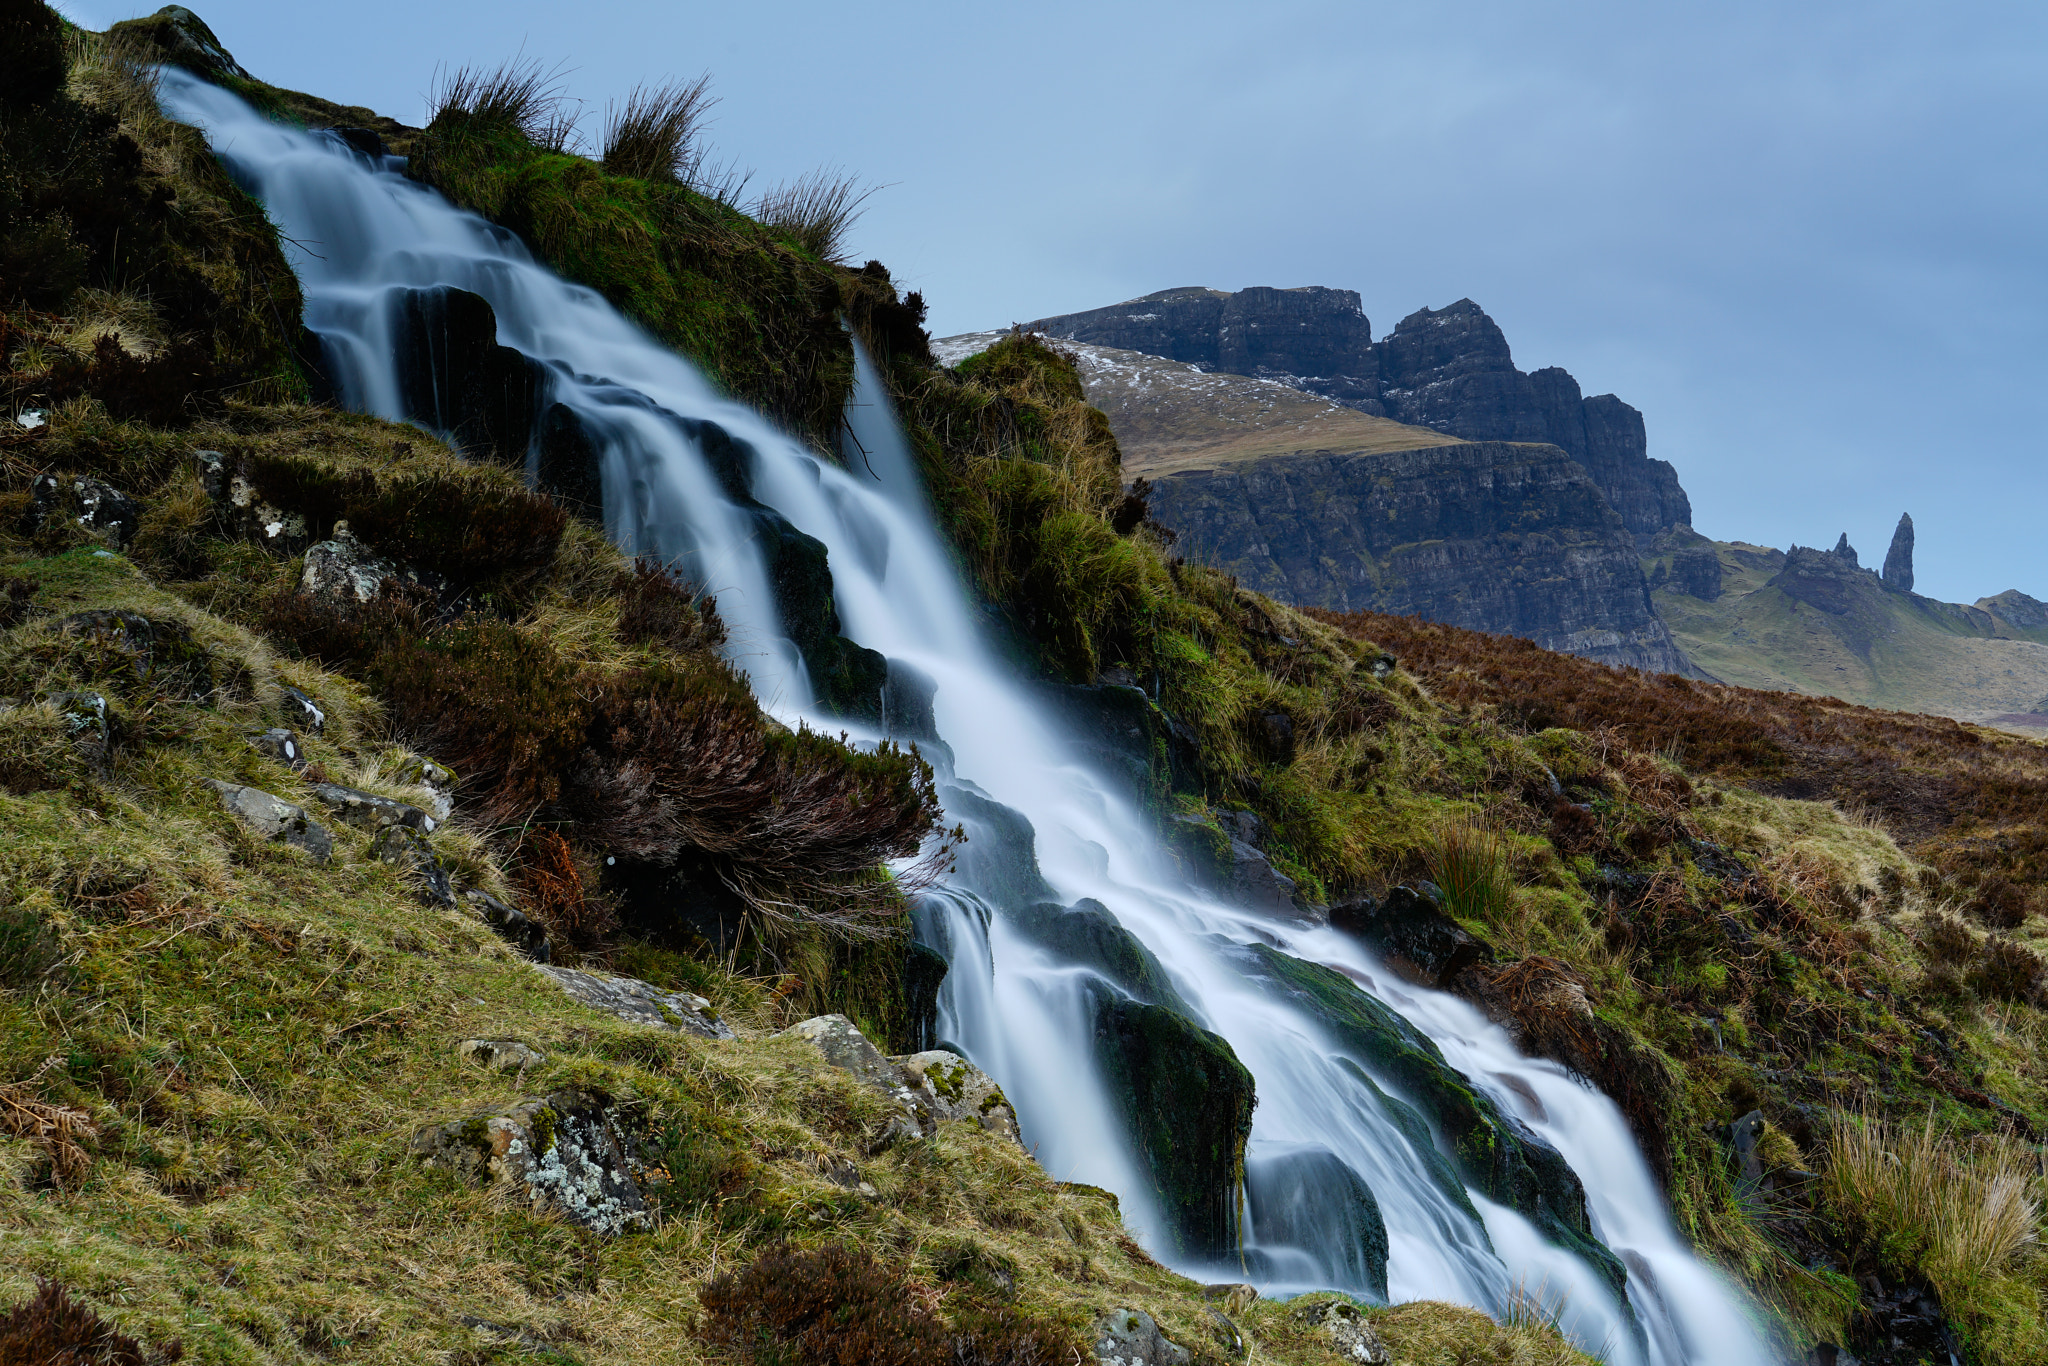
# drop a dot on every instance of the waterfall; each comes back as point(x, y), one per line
point(365, 241)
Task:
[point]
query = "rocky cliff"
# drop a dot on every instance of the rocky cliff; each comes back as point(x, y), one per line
point(1446, 369)
point(1509, 538)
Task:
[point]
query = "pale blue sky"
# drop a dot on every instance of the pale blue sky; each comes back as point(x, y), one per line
point(1806, 240)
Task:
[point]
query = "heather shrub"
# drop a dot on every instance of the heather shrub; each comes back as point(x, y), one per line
point(657, 606)
point(52, 1329)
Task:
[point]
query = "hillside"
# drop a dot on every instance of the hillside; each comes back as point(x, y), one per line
point(1810, 622)
point(420, 941)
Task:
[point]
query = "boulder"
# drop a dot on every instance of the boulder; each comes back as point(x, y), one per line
point(1310, 1199)
point(1129, 1337)
point(1187, 1102)
point(640, 1002)
point(1499, 1155)
point(513, 926)
point(182, 38)
point(238, 504)
point(274, 818)
point(499, 1055)
point(945, 1086)
point(98, 507)
point(1413, 933)
point(281, 744)
point(1239, 870)
point(566, 1153)
point(407, 850)
point(369, 812)
point(1345, 1327)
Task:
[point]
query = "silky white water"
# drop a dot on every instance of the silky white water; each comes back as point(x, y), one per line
point(361, 236)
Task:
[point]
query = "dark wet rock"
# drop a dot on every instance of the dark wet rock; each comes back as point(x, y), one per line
point(1344, 1326)
point(369, 812)
point(1428, 1157)
point(1413, 933)
point(640, 1002)
point(907, 703)
point(1238, 870)
point(301, 710)
point(368, 141)
point(407, 850)
point(1129, 1337)
point(1087, 933)
point(571, 462)
point(281, 744)
point(1187, 1102)
point(1000, 858)
point(454, 377)
point(499, 1055)
point(1275, 732)
point(1745, 1136)
point(1898, 561)
point(848, 679)
point(1122, 732)
point(274, 818)
point(945, 1086)
point(1510, 538)
point(1500, 1156)
point(1308, 1198)
point(512, 925)
point(924, 972)
point(568, 1153)
point(1902, 1325)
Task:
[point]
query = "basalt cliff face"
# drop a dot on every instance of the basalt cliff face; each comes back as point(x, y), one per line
point(1497, 536)
point(1449, 370)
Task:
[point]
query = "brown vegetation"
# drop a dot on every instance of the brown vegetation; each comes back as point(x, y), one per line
point(52, 1329)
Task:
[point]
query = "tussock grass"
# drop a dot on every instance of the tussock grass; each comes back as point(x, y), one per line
point(653, 134)
point(520, 96)
point(817, 211)
point(1470, 862)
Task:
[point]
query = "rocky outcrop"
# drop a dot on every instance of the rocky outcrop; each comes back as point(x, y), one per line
point(1898, 561)
point(569, 1153)
point(924, 1089)
point(1345, 1329)
point(1447, 369)
point(1129, 1337)
point(2017, 610)
point(274, 818)
point(1512, 539)
point(638, 1002)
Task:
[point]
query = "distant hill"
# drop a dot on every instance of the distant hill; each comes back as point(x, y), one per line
point(1815, 621)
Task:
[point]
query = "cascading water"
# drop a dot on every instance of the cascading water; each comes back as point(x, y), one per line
point(366, 242)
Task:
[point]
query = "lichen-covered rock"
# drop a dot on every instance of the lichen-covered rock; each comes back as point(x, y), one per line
point(1350, 1336)
point(945, 1086)
point(89, 724)
point(513, 926)
point(407, 850)
point(499, 1055)
point(1129, 1337)
point(281, 744)
point(438, 779)
point(302, 710)
point(342, 572)
point(274, 818)
point(567, 1153)
point(640, 1002)
point(369, 812)
point(1187, 1102)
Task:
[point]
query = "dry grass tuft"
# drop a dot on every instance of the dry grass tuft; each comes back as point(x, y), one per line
point(653, 135)
point(818, 210)
point(520, 95)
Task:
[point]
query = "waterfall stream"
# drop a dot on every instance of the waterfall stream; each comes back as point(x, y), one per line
point(363, 238)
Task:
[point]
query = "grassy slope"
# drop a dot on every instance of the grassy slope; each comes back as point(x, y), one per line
point(1887, 651)
point(1028, 481)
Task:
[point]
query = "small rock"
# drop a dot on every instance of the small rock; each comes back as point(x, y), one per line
point(1276, 736)
point(1225, 1332)
point(343, 572)
point(514, 926)
point(1129, 1337)
point(89, 723)
point(212, 469)
point(274, 818)
point(407, 850)
point(302, 710)
point(947, 1086)
point(438, 779)
point(1348, 1332)
point(845, 1046)
point(640, 1002)
point(1383, 666)
point(104, 509)
point(280, 744)
point(499, 1055)
point(562, 1153)
point(368, 811)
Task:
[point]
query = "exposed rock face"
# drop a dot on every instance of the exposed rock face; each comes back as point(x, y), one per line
point(1447, 369)
point(567, 1153)
point(927, 1088)
point(1898, 561)
point(1511, 539)
point(274, 818)
point(1129, 1337)
point(640, 1002)
point(2017, 609)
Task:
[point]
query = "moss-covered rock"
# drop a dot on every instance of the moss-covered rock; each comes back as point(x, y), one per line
point(1086, 932)
point(1188, 1102)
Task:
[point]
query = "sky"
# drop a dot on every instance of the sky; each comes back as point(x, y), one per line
point(1806, 240)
